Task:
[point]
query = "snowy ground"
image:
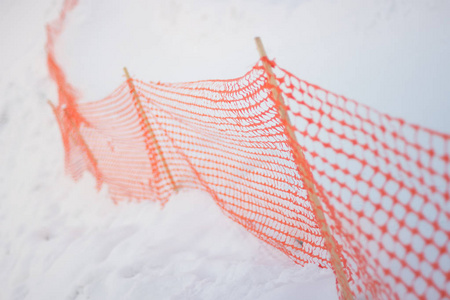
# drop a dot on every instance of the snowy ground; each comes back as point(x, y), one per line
point(63, 240)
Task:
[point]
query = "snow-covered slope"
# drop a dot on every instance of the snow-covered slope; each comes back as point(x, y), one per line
point(63, 240)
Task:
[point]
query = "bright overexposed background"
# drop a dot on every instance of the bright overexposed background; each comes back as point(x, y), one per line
point(63, 240)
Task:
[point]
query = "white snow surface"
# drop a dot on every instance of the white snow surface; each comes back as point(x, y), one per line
point(61, 239)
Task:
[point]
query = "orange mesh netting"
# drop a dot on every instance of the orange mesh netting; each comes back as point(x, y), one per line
point(383, 183)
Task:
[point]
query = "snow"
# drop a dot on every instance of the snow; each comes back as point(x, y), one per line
point(61, 239)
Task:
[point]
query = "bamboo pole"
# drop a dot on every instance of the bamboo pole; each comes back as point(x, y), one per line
point(141, 112)
point(303, 169)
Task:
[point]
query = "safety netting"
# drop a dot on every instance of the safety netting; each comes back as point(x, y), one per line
point(383, 183)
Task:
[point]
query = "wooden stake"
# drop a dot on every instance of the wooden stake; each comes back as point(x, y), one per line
point(80, 140)
point(149, 128)
point(77, 133)
point(307, 178)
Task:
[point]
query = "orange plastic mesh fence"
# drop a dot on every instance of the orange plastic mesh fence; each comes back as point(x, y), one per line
point(384, 184)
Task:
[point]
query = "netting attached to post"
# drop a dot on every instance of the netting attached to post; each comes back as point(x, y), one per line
point(384, 184)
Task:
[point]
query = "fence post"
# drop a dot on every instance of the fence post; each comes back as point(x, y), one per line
point(149, 129)
point(303, 169)
point(81, 140)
